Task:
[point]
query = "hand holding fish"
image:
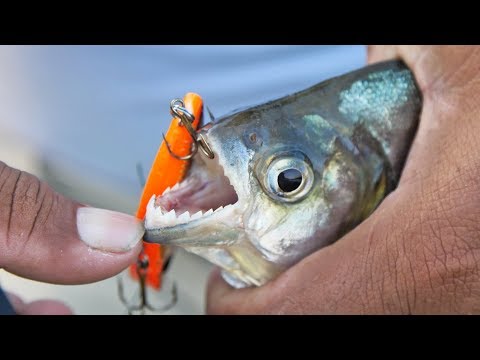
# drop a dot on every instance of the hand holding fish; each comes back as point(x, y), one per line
point(47, 237)
point(418, 251)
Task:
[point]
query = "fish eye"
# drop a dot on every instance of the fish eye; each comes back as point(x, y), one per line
point(289, 178)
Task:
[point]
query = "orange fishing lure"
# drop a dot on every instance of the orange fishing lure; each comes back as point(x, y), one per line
point(165, 172)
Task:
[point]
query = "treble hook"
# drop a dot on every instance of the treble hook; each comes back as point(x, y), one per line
point(177, 109)
point(142, 265)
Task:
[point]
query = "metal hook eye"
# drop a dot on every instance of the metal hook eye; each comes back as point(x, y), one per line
point(178, 110)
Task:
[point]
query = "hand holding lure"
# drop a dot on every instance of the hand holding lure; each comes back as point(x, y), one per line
point(168, 168)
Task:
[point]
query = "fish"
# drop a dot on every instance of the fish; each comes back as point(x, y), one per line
point(292, 175)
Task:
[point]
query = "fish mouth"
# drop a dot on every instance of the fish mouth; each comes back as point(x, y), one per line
point(204, 201)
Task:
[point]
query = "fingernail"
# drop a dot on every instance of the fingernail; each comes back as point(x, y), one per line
point(108, 230)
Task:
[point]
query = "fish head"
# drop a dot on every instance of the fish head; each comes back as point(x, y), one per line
point(288, 177)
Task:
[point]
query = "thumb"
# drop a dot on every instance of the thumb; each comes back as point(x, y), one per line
point(45, 236)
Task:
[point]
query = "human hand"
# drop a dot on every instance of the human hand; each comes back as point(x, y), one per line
point(419, 252)
point(47, 237)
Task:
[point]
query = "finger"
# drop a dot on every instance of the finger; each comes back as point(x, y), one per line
point(39, 307)
point(377, 53)
point(224, 299)
point(439, 70)
point(47, 237)
point(410, 54)
point(217, 290)
point(46, 307)
point(15, 301)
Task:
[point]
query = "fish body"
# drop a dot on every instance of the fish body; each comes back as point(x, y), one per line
point(292, 175)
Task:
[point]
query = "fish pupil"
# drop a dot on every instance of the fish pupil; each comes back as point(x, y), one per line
point(289, 180)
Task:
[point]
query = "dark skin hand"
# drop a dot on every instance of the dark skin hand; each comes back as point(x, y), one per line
point(419, 252)
point(48, 237)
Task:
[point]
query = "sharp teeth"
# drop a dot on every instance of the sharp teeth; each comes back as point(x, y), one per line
point(166, 190)
point(197, 215)
point(151, 204)
point(209, 212)
point(170, 218)
point(158, 212)
point(220, 208)
point(185, 217)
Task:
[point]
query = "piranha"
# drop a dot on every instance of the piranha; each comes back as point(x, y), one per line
point(292, 175)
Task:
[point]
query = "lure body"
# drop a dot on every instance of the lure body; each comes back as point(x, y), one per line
point(166, 171)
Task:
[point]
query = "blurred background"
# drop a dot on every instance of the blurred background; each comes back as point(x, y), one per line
point(82, 117)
